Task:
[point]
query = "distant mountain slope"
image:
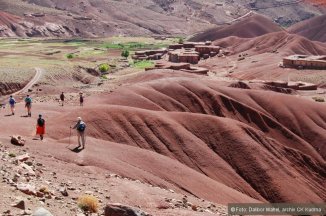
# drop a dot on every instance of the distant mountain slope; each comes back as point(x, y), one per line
point(252, 26)
point(282, 42)
point(99, 18)
point(313, 29)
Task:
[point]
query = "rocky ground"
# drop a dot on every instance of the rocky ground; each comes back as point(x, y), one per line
point(30, 180)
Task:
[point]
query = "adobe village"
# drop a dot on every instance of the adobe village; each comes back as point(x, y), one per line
point(161, 108)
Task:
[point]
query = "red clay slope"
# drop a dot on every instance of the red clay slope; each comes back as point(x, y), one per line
point(317, 2)
point(253, 142)
point(282, 42)
point(249, 27)
point(313, 29)
point(8, 19)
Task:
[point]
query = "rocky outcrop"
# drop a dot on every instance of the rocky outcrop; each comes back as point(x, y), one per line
point(42, 212)
point(27, 189)
point(17, 140)
point(7, 88)
point(117, 209)
point(32, 25)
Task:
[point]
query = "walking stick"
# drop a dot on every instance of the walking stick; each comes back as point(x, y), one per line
point(69, 138)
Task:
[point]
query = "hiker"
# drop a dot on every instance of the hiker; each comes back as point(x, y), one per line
point(12, 103)
point(40, 127)
point(62, 98)
point(81, 99)
point(80, 127)
point(28, 105)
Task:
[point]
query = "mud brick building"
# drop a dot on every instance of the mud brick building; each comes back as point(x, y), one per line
point(305, 61)
point(184, 56)
point(207, 50)
point(149, 54)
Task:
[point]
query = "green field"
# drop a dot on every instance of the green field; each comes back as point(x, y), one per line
point(57, 56)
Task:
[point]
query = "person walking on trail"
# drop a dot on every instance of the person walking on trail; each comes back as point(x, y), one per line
point(62, 98)
point(28, 105)
point(81, 99)
point(12, 103)
point(40, 127)
point(80, 126)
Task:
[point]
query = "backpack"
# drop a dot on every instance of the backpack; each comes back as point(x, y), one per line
point(12, 101)
point(81, 127)
point(40, 122)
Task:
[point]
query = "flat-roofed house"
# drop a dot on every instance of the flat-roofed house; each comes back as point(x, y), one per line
point(305, 61)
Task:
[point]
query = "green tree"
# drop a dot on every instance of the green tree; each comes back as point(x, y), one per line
point(125, 53)
point(70, 56)
point(104, 68)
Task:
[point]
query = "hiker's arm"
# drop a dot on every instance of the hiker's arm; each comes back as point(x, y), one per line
point(74, 127)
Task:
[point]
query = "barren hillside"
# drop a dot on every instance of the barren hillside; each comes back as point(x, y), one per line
point(313, 29)
point(253, 25)
point(91, 18)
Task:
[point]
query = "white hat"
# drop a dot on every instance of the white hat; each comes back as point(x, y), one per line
point(79, 118)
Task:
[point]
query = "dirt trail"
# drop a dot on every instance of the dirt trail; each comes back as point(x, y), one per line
point(35, 79)
point(30, 84)
point(241, 17)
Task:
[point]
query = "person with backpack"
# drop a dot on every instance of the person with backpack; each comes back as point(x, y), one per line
point(80, 126)
point(81, 99)
point(62, 98)
point(12, 103)
point(28, 105)
point(40, 127)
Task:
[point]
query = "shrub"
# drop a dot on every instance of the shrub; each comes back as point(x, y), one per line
point(88, 203)
point(104, 77)
point(70, 56)
point(125, 53)
point(44, 189)
point(143, 64)
point(319, 99)
point(180, 40)
point(104, 68)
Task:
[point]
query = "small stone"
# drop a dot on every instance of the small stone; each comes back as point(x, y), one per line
point(17, 140)
point(23, 157)
point(42, 212)
point(29, 163)
point(194, 208)
point(63, 191)
point(26, 188)
point(27, 212)
point(7, 212)
point(29, 169)
point(71, 188)
point(20, 203)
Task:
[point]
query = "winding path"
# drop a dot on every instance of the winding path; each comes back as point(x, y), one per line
point(29, 85)
point(35, 79)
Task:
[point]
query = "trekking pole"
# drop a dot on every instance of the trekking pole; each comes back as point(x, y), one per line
point(69, 138)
